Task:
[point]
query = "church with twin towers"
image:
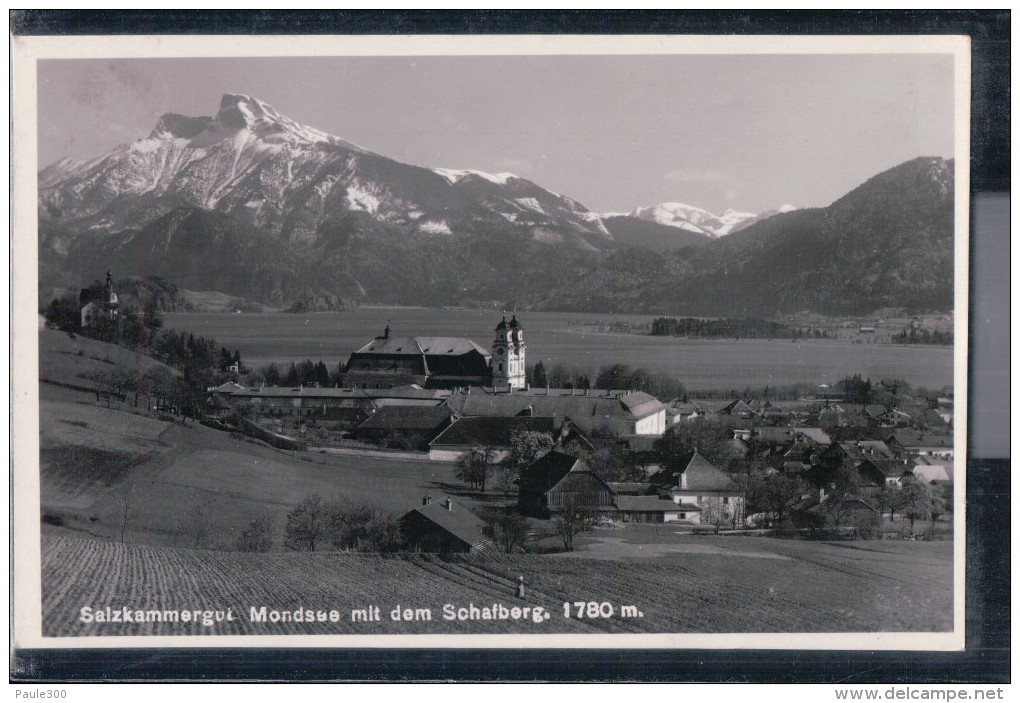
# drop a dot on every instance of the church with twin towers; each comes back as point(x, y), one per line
point(441, 362)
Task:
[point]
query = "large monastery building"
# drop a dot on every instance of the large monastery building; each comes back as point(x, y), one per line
point(439, 362)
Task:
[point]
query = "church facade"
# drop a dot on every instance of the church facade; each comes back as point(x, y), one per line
point(439, 362)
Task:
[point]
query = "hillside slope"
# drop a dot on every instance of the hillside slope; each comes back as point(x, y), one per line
point(887, 243)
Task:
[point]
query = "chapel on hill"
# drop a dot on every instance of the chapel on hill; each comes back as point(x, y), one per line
point(99, 307)
point(440, 362)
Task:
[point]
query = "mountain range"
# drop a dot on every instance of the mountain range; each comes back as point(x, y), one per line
point(251, 203)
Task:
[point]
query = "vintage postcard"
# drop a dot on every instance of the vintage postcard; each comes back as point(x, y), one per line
point(490, 341)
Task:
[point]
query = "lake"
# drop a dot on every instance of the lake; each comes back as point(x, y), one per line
point(569, 338)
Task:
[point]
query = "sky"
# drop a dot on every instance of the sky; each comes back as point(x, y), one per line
point(612, 132)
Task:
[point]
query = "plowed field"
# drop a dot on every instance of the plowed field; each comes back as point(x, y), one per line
point(817, 587)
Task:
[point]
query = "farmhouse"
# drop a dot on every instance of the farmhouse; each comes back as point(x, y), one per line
point(439, 526)
point(558, 481)
point(712, 490)
point(439, 362)
point(620, 412)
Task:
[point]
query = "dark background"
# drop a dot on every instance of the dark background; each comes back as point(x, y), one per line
point(986, 657)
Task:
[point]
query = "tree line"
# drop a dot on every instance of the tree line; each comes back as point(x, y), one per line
point(732, 328)
point(914, 335)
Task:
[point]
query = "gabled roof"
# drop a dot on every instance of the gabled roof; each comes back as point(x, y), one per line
point(651, 504)
point(409, 392)
point(933, 472)
point(228, 387)
point(459, 522)
point(814, 433)
point(548, 470)
point(491, 431)
point(701, 475)
point(916, 438)
point(617, 411)
point(864, 450)
point(737, 407)
point(407, 417)
point(422, 345)
point(630, 487)
point(811, 504)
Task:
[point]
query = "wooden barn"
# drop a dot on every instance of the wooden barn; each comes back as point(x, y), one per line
point(557, 481)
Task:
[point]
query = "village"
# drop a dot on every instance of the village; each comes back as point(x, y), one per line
point(541, 466)
point(587, 458)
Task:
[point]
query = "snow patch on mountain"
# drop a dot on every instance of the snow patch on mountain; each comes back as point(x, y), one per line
point(457, 175)
point(531, 204)
point(360, 199)
point(431, 227)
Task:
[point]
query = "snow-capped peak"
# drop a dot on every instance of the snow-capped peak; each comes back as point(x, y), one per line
point(457, 175)
point(696, 219)
point(787, 208)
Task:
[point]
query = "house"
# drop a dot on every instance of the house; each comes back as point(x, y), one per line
point(712, 490)
point(466, 433)
point(933, 469)
point(739, 408)
point(558, 481)
point(417, 425)
point(814, 511)
point(618, 412)
point(877, 466)
point(440, 526)
point(925, 443)
point(683, 411)
point(655, 509)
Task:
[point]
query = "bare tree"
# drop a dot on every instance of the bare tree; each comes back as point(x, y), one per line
point(506, 527)
point(258, 537)
point(307, 525)
point(577, 514)
point(475, 466)
point(198, 524)
point(917, 500)
point(126, 508)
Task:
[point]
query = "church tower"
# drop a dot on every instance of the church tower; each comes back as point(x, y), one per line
point(508, 355)
point(110, 303)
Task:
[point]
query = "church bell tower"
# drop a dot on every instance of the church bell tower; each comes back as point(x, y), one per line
point(508, 354)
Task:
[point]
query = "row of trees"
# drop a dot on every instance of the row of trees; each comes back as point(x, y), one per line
point(731, 328)
point(306, 373)
point(614, 377)
point(916, 501)
point(914, 335)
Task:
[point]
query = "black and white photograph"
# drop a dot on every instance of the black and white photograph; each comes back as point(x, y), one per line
point(500, 341)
